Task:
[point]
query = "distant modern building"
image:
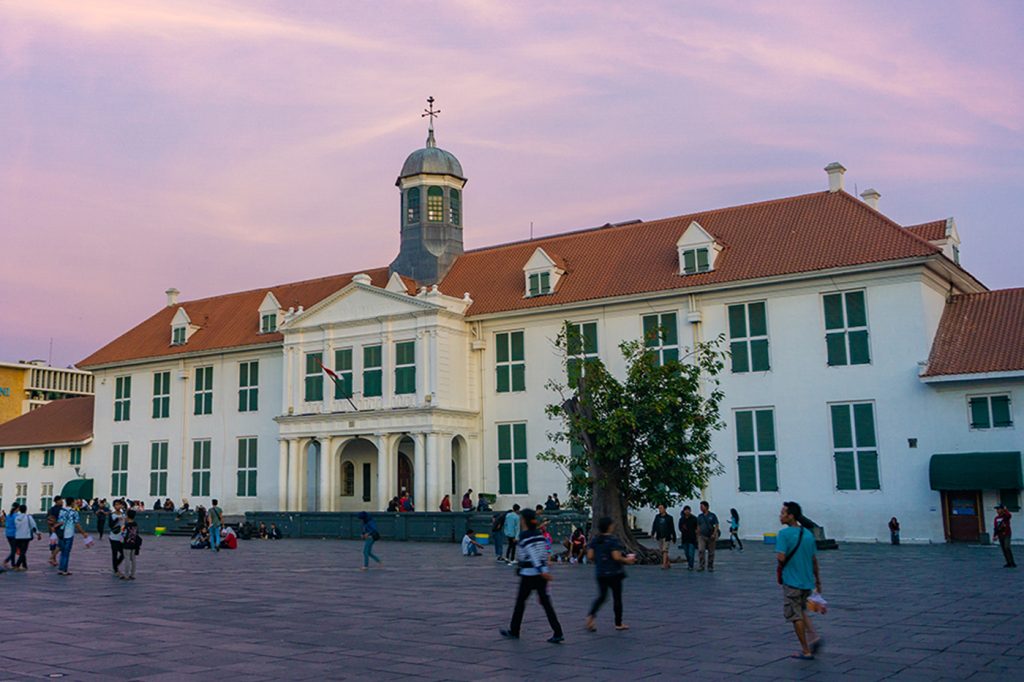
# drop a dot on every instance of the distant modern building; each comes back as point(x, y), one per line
point(24, 386)
point(870, 374)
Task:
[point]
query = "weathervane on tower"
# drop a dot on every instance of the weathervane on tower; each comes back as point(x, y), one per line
point(432, 113)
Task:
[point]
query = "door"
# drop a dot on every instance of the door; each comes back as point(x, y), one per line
point(963, 515)
point(404, 474)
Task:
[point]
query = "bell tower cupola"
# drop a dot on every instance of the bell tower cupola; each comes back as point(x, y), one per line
point(431, 185)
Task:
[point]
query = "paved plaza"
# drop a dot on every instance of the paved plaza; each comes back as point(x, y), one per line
point(301, 609)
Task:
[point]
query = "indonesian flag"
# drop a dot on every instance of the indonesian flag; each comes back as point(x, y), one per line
point(330, 372)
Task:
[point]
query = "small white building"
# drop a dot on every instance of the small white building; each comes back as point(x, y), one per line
point(838, 392)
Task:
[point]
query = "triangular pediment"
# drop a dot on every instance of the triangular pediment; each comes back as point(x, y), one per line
point(181, 319)
point(540, 260)
point(695, 235)
point(396, 284)
point(270, 303)
point(359, 302)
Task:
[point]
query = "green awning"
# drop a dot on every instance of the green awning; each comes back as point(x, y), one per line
point(976, 471)
point(78, 489)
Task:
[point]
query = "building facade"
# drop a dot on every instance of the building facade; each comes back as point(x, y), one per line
point(837, 393)
point(24, 386)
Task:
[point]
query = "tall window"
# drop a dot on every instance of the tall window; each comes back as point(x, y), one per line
point(204, 390)
point(343, 368)
point(371, 371)
point(21, 493)
point(23, 459)
point(122, 398)
point(855, 447)
point(512, 459)
point(3, 456)
point(246, 467)
point(158, 468)
point(268, 323)
point(48, 457)
point(846, 328)
point(45, 496)
point(201, 468)
point(755, 445)
point(119, 471)
point(990, 412)
point(454, 206)
point(161, 395)
point(405, 367)
point(75, 458)
point(435, 204)
point(366, 482)
point(248, 386)
point(540, 283)
point(510, 362)
point(348, 479)
point(661, 337)
point(748, 337)
point(412, 205)
point(581, 343)
point(696, 260)
point(314, 377)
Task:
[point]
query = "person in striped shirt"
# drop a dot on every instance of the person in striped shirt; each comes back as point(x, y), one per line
point(533, 575)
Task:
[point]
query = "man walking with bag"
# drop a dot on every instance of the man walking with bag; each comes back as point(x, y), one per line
point(707, 536)
point(797, 572)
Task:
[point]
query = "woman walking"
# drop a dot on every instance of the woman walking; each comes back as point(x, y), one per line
point(25, 530)
point(533, 576)
point(132, 542)
point(11, 532)
point(370, 536)
point(116, 522)
point(734, 530)
point(606, 554)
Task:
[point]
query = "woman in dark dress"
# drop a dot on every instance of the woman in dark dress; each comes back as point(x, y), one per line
point(606, 552)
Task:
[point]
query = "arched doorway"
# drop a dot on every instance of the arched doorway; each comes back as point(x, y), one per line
point(460, 462)
point(313, 463)
point(357, 476)
point(406, 455)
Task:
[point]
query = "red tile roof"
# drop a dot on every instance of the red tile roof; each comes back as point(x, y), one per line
point(780, 237)
point(60, 421)
point(929, 232)
point(226, 321)
point(982, 332)
point(805, 233)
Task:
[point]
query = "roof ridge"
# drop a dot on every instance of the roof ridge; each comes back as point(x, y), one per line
point(889, 221)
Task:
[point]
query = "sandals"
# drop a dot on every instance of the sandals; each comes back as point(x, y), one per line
point(622, 627)
point(591, 625)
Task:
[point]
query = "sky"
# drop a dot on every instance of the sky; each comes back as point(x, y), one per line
point(224, 146)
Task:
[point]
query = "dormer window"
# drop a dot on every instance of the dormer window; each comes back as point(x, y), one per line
point(268, 323)
point(542, 273)
point(178, 336)
point(270, 313)
point(697, 250)
point(181, 328)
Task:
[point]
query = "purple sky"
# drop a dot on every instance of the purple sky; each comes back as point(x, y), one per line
point(217, 146)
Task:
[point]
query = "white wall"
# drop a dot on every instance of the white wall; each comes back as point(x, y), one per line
point(35, 475)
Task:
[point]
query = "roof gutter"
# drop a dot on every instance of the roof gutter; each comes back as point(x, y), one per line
point(973, 376)
point(36, 446)
point(183, 356)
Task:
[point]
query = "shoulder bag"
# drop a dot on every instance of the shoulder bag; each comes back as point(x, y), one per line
point(789, 555)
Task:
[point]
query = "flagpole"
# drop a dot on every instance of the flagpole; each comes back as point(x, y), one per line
point(334, 378)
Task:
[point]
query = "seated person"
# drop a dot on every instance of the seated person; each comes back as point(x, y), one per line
point(168, 505)
point(158, 506)
point(275, 532)
point(481, 505)
point(230, 539)
point(577, 546)
point(262, 533)
point(470, 547)
point(201, 539)
point(393, 504)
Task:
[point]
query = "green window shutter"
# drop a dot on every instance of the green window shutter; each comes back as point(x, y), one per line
point(979, 413)
point(519, 377)
point(502, 378)
point(534, 284)
point(758, 319)
point(405, 353)
point(505, 478)
point(738, 353)
point(254, 399)
point(243, 399)
point(703, 262)
point(519, 441)
point(521, 482)
point(836, 345)
point(343, 360)
point(504, 441)
point(545, 282)
point(372, 383)
point(833, 311)
point(669, 331)
point(842, 432)
point(154, 483)
point(689, 261)
point(252, 483)
point(154, 456)
point(669, 355)
point(745, 431)
point(864, 425)
point(240, 487)
point(243, 374)
point(759, 355)
point(859, 352)
point(518, 346)
point(748, 473)
point(501, 345)
point(372, 356)
point(590, 338)
point(765, 430)
point(846, 476)
point(1010, 498)
point(574, 369)
point(1001, 411)
point(737, 322)
point(651, 330)
point(867, 467)
point(856, 313)
point(768, 469)
point(405, 380)
point(23, 459)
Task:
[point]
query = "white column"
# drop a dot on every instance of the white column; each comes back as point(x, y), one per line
point(433, 474)
point(326, 495)
point(433, 364)
point(420, 471)
point(282, 477)
point(294, 473)
point(444, 465)
point(383, 443)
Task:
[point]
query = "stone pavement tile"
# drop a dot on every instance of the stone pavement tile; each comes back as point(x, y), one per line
point(979, 648)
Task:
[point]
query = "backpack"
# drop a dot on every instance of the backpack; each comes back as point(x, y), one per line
point(115, 525)
point(498, 524)
point(132, 539)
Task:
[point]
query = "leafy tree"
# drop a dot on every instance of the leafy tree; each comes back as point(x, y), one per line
point(641, 441)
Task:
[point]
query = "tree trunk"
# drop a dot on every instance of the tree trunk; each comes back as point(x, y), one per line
point(607, 501)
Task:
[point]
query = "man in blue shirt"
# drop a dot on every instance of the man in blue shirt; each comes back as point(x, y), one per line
point(795, 549)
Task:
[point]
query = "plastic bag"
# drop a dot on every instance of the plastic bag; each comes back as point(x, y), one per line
point(817, 604)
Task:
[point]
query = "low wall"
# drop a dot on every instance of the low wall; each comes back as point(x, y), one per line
point(147, 520)
point(411, 526)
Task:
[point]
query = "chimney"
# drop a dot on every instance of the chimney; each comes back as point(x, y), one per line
point(871, 197)
point(172, 297)
point(835, 172)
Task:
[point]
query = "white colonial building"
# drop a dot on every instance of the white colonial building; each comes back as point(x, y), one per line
point(846, 389)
